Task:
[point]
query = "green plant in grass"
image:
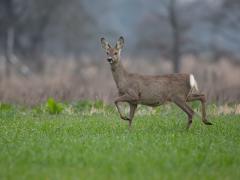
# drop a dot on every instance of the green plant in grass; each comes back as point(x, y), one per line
point(6, 107)
point(54, 107)
point(98, 104)
point(83, 105)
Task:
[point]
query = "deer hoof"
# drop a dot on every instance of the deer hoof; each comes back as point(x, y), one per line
point(207, 123)
point(125, 118)
point(188, 126)
point(129, 126)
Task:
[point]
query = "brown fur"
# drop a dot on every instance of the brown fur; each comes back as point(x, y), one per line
point(150, 90)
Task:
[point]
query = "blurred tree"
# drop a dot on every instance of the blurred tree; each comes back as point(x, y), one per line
point(22, 28)
point(225, 29)
point(7, 30)
point(25, 27)
point(176, 34)
point(169, 34)
point(34, 18)
point(70, 33)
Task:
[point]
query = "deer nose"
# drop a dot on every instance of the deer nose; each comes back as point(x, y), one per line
point(109, 59)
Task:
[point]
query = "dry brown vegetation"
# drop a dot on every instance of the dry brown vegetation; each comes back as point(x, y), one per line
point(71, 80)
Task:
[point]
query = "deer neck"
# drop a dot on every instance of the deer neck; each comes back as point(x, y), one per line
point(119, 74)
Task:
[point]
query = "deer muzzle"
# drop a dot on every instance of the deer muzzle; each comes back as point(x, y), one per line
point(110, 60)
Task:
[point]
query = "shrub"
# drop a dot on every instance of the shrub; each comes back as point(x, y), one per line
point(54, 107)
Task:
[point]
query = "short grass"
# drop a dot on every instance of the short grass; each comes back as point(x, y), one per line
point(85, 141)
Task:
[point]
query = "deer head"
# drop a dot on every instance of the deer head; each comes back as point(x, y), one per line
point(113, 54)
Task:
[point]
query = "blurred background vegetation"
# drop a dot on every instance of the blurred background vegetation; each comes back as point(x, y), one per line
point(50, 48)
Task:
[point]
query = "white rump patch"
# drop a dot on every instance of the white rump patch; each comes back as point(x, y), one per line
point(193, 83)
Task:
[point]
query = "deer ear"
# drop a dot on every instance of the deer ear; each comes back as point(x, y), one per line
point(105, 44)
point(120, 43)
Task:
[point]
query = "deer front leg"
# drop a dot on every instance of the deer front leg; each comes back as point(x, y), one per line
point(133, 108)
point(126, 98)
point(121, 99)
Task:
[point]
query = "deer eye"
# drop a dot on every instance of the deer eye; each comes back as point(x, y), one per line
point(115, 53)
point(107, 53)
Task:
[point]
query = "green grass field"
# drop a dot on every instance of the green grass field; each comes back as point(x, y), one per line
point(89, 141)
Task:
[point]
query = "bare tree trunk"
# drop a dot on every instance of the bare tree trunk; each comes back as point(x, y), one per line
point(9, 36)
point(176, 55)
point(8, 50)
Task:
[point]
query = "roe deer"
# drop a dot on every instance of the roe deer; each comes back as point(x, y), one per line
point(152, 90)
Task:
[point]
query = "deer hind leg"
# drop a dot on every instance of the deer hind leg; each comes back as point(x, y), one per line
point(202, 98)
point(187, 109)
